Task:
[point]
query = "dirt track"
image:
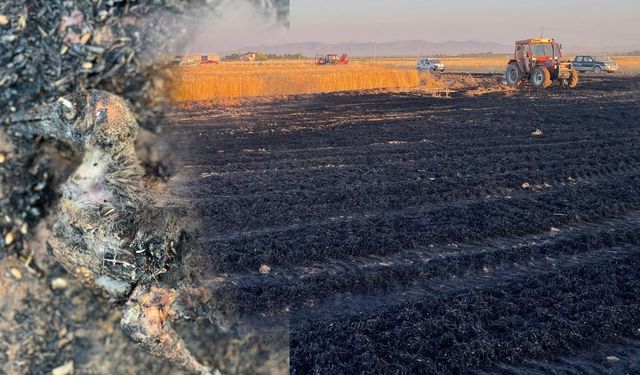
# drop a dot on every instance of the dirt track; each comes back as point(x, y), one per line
point(416, 234)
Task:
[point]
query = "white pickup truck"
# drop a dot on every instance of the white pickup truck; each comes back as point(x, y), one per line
point(430, 64)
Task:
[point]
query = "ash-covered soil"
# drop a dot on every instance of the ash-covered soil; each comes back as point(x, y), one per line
point(50, 322)
point(405, 233)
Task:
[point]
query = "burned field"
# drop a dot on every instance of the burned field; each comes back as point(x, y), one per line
point(408, 234)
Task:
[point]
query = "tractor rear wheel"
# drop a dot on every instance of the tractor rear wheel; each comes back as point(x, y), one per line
point(513, 75)
point(573, 79)
point(541, 78)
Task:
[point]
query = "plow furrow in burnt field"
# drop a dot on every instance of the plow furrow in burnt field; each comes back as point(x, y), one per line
point(408, 234)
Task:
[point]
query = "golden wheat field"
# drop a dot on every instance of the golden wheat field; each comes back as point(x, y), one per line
point(242, 80)
point(628, 63)
point(232, 81)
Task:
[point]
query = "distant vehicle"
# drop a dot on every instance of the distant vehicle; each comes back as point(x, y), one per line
point(209, 59)
point(186, 61)
point(332, 59)
point(430, 64)
point(595, 64)
point(539, 61)
point(249, 56)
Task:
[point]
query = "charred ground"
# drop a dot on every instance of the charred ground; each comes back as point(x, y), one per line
point(407, 233)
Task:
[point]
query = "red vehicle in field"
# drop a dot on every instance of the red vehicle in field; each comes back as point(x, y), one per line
point(332, 59)
point(539, 61)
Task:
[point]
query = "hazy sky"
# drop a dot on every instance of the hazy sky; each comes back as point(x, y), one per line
point(581, 23)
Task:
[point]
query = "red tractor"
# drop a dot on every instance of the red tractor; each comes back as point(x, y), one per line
point(332, 59)
point(540, 62)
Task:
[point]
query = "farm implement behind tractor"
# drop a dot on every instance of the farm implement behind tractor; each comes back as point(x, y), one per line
point(539, 61)
point(332, 59)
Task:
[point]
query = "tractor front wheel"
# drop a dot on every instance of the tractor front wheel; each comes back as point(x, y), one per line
point(541, 78)
point(513, 75)
point(573, 79)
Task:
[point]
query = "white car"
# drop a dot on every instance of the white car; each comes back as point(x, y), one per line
point(430, 64)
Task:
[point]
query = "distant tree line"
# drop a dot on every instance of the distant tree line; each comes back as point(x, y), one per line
point(260, 56)
point(264, 56)
point(286, 56)
point(478, 54)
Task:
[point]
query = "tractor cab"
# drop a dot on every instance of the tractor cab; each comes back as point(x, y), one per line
point(539, 49)
point(330, 59)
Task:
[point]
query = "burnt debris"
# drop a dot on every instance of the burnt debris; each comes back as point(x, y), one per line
point(55, 48)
